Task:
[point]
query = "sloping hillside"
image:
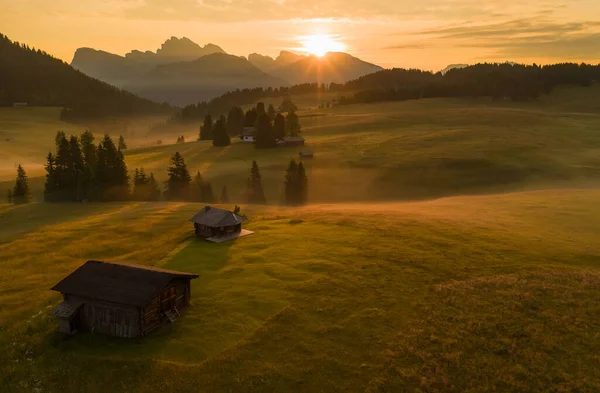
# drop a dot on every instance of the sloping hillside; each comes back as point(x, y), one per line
point(32, 76)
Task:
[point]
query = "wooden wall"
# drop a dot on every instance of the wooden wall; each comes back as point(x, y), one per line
point(108, 318)
point(154, 312)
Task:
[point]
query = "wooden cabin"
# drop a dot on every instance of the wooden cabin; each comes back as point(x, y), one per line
point(122, 300)
point(213, 222)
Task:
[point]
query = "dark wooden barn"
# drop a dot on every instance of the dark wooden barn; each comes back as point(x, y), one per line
point(122, 300)
point(214, 222)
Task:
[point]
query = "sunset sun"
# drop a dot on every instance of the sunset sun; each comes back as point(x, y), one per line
point(320, 44)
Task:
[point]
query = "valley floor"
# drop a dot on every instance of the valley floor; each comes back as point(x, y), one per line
point(481, 293)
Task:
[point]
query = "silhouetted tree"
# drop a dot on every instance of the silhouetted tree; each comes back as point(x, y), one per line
point(206, 130)
point(221, 138)
point(279, 126)
point(122, 144)
point(250, 118)
point(291, 184)
point(111, 180)
point(224, 195)
point(263, 132)
point(292, 124)
point(60, 135)
point(254, 190)
point(178, 184)
point(153, 190)
point(302, 184)
point(260, 109)
point(20, 192)
point(235, 121)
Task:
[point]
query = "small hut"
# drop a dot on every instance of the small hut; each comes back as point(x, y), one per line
point(218, 225)
point(247, 134)
point(122, 300)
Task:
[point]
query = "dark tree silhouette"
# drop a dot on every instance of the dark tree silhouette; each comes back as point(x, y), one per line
point(178, 184)
point(221, 138)
point(302, 184)
point(279, 126)
point(292, 124)
point(20, 192)
point(264, 136)
point(206, 130)
point(235, 121)
point(254, 190)
point(112, 182)
point(122, 144)
point(287, 105)
point(291, 184)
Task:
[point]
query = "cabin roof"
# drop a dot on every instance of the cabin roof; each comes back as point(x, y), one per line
point(128, 284)
point(215, 217)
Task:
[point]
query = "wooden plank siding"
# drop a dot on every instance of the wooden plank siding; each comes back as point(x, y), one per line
point(177, 294)
point(107, 318)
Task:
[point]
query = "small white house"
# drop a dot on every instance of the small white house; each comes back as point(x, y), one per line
point(247, 134)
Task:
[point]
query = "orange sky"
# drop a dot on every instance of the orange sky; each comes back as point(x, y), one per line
point(428, 34)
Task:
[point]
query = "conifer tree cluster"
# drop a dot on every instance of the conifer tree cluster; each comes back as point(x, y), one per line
point(180, 139)
point(81, 171)
point(206, 129)
point(145, 188)
point(296, 184)
point(220, 135)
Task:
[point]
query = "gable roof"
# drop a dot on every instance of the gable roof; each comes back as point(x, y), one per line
point(215, 217)
point(128, 284)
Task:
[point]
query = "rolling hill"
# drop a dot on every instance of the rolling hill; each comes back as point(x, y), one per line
point(38, 79)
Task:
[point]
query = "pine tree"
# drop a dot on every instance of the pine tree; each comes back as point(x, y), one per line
point(260, 109)
point(250, 118)
point(111, 178)
point(271, 112)
point(122, 144)
point(235, 121)
point(88, 148)
point(254, 191)
point(263, 132)
point(292, 124)
point(279, 126)
point(287, 105)
point(20, 192)
point(224, 195)
point(291, 183)
point(206, 130)
point(221, 138)
point(76, 170)
point(60, 135)
point(50, 187)
point(178, 184)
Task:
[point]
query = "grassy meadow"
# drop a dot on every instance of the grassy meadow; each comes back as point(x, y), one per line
point(479, 293)
point(450, 245)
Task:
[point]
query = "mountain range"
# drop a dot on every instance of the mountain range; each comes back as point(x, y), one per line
point(182, 72)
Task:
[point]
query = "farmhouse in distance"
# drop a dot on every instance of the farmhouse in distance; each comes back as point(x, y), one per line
point(122, 300)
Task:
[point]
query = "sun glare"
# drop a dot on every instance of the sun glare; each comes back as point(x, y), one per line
point(320, 44)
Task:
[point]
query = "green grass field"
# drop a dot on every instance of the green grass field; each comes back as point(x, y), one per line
point(488, 293)
point(492, 287)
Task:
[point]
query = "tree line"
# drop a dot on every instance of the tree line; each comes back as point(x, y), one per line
point(38, 79)
point(269, 125)
point(80, 171)
point(499, 81)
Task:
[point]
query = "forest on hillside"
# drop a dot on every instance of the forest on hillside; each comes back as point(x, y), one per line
point(504, 81)
point(34, 77)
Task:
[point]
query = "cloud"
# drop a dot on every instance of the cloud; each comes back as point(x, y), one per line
point(524, 38)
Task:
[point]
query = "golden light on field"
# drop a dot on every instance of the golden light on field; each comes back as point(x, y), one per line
point(320, 44)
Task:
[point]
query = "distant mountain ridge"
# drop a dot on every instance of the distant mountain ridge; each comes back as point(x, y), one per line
point(162, 75)
point(34, 77)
